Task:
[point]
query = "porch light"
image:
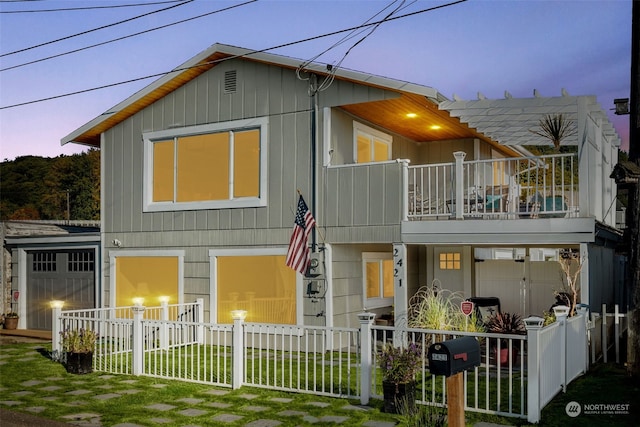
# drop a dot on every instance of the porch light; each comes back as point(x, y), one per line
point(435, 127)
point(56, 303)
point(138, 301)
point(622, 106)
point(239, 314)
point(164, 299)
point(412, 115)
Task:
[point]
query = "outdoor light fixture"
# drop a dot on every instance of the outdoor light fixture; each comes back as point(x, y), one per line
point(435, 127)
point(138, 301)
point(239, 314)
point(56, 303)
point(164, 298)
point(622, 106)
point(561, 310)
point(412, 115)
point(533, 322)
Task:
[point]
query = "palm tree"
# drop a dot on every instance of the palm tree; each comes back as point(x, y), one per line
point(555, 128)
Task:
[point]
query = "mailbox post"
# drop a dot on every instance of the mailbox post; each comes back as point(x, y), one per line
point(451, 358)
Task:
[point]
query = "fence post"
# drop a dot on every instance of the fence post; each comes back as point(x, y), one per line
point(616, 331)
point(366, 320)
point(200, 320)
point(137, 349)
point(238, 347)
point(561, 312)
point(533, 325)
point(56, 312)
point(605, 344)
point(583, 310)
point(164, 326)
point(459, 202)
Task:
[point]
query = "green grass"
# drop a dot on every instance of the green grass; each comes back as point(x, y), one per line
point(22, 364)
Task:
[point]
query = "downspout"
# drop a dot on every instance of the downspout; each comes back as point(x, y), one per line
point(314, 131)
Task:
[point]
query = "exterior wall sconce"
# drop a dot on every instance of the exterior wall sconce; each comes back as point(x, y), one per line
point(164, 299)
point(138, 301)
point(239, 314)
point(56, 303)
point(622, 106)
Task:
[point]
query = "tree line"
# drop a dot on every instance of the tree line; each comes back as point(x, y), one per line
point(63, 187)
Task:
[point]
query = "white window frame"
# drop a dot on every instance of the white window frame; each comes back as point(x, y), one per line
point(378, 302)
point(371, 133)
point(149, 138)
point(213, 277)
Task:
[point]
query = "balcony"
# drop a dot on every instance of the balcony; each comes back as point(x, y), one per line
point(510, 188)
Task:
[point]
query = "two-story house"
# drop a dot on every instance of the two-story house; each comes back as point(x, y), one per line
point(201, 172)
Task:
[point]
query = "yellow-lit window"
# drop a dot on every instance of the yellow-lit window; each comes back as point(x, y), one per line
point(148, 277)
point(163, 171)
point(450, 261)
point(203, 167)
point(260, 284)
point(378, 279)
point(371, 145)
point(246, 170)
point(206, 167)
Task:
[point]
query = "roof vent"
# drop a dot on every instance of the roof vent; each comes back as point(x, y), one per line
point(230, 81)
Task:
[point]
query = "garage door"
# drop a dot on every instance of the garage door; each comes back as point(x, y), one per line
point(67, 275)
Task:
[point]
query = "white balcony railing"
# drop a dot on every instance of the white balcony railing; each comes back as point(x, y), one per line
point(526, 187)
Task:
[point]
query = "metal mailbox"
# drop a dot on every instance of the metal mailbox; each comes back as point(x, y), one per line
point(454, 356)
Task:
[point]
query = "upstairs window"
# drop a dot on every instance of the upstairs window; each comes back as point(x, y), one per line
point(370, 145)
point(206, 167)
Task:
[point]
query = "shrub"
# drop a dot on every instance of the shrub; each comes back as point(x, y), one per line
point(399, 365)
point(79, 340)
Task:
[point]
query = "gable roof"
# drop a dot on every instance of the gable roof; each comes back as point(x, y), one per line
point(505, 122)
point(89, 134)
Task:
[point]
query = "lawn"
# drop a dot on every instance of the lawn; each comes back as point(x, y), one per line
point(27, 375)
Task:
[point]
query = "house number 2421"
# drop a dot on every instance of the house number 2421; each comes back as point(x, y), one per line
point(398, 265)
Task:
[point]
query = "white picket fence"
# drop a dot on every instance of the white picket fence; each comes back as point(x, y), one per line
point(340, 362)
point(605, 332)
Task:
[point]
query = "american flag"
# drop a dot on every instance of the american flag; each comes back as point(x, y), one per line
point(298, 253)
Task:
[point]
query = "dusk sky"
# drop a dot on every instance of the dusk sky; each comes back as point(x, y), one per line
point(486, 46)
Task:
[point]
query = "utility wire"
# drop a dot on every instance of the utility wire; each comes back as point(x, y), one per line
point(96, 29)
point(126, 37)
point(67, 9)
point(430, 9)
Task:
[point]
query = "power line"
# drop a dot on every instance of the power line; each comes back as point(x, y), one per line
point(430, 9)
point(67, 9)
point(126, 37)
point(96, 29)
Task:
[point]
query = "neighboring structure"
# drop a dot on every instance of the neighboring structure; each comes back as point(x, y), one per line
point(201, 172)
point(48, 260)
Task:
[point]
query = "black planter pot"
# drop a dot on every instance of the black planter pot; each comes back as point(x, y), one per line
point(79, 363)
point(399, 398)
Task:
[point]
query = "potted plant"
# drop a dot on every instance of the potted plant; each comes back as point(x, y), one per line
point(508, 324)
point(399, 369)
point(78, 346)
point(10, 320)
